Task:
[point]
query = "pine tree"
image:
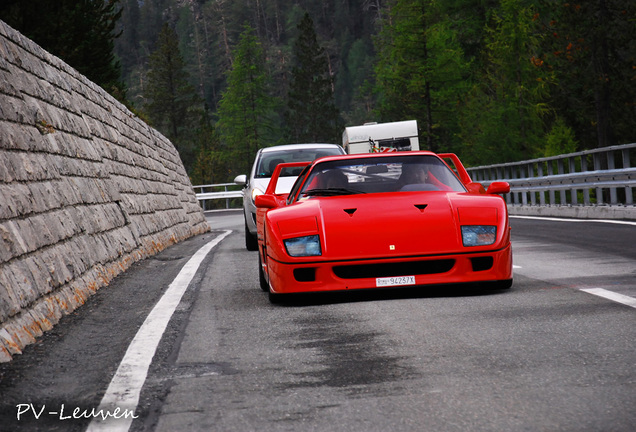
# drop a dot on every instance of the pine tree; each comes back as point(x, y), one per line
point(502, 119)
point(247, 119)
point(420, 70)
point(312, 115)
point(591, 48)
point(173, 106)
point(210, 163)
point(168, 92)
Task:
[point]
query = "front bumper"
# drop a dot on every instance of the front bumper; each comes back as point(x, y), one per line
point(356, 274)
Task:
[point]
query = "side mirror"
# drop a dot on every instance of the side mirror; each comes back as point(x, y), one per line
point(240, 179)
point(498, 188)
point(266, 201)
point(474, 187)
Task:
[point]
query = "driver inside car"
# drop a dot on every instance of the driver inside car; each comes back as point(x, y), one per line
point(414, 174)
point(330, 179)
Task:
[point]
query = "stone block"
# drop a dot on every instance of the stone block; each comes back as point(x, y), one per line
point(43, 195)
point(54, 260)
point(9, 343)
point(17, 200)
point(24, 234)
point(11, 239)
point(9, 300)
point(21, 281)
point(39, 274)
point(41, 233)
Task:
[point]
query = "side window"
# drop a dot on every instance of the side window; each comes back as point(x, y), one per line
point(299, 181)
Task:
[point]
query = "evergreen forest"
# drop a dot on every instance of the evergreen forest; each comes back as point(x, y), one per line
point(491, 80)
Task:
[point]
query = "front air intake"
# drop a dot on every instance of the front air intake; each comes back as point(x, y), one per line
point(481, 263)
point(305, 274)
point(410, 268)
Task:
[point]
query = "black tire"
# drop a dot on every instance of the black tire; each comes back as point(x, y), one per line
point(251, 242)
point(261, 276)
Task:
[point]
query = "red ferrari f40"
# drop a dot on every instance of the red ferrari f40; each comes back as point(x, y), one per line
point(382, 220)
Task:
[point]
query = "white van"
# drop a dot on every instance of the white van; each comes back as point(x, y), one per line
point(381, 137)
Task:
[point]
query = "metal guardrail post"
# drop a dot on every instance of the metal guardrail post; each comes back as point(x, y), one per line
point(586, 192)
point(629, 200)
point(574, 194)
point(596, 157)
point(611, 166)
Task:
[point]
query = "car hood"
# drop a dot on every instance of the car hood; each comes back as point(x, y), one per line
point(381, 225)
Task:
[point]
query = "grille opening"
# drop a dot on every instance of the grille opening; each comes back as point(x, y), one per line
point(305, 274)
point(481, 263)
point(410, 268)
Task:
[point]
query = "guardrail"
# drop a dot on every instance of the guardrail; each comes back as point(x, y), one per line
point(205, 194)
point(589, 178)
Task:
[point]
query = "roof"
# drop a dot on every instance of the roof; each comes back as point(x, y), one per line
point(297, 147)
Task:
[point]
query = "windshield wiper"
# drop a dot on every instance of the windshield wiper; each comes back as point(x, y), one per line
point(332, 192)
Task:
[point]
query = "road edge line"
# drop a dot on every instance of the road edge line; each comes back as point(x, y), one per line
point(563, 219)
point(611, 295)
point(116, 411)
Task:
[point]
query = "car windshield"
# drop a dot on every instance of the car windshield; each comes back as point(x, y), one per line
point(268, 160)
point(375, 175)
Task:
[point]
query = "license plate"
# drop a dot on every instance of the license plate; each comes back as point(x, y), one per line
point(395, 281)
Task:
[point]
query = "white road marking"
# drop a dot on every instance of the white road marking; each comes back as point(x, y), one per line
point(611, 221)
point(610, 295)
point(516, 267)
point(122, 395)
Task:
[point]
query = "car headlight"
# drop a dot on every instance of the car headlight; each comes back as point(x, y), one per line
point(256, 192)
point(478, 235)
point(303, 246)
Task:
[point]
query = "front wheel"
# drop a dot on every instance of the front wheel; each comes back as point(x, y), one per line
point(251, 242)
point(261, 275)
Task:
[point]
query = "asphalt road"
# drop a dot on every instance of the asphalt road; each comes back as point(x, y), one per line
point(545, 355)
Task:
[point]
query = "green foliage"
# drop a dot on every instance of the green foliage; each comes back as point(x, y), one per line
point(353, 89)
point(502, 118)
point(247, 112)
point(591, 50)
point(210, 165)
point(82, 33)
point(421, 71)
point(312, 115)
point(560, 140)
point(172, 104)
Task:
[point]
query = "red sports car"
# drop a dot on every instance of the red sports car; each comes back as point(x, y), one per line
point(382, 220)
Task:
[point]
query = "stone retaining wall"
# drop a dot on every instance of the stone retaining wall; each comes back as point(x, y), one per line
point(86, 189)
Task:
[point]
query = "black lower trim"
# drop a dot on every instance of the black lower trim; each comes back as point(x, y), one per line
point(408, 268)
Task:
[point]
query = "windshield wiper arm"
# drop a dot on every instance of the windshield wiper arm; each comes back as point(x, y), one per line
point(332, 192)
